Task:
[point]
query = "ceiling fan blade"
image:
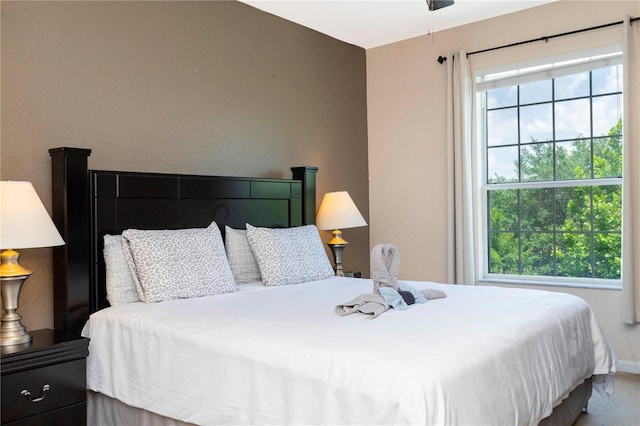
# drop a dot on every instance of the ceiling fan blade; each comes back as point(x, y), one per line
point(439, 4)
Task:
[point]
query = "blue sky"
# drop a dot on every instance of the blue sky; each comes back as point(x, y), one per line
point(572, 116)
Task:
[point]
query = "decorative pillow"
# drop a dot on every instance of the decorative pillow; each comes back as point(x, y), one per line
point(289, 255)
point(243, 262)
point(120, 286)
point(177, 264)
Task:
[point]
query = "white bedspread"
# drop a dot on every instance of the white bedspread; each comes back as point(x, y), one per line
point(280, 355)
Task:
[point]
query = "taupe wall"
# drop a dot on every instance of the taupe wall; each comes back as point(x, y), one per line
point(407, 100)
point(181, 87)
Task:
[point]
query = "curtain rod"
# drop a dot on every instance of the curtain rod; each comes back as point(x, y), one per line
point(546, 38)
point(441, 59)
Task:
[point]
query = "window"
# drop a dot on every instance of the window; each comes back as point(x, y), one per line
point(552, 180)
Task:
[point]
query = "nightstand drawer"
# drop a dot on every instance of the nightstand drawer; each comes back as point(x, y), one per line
point(75, 415)
point(66, 386)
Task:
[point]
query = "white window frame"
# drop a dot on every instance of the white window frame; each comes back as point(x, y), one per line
point(520, 73)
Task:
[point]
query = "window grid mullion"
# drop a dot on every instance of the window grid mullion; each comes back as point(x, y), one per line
point(555, 176)
point(592, 256)
point(519, 216)
point(592, 235)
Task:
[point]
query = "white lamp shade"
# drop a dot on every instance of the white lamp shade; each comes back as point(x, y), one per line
point(338, 211)
point(24, 222)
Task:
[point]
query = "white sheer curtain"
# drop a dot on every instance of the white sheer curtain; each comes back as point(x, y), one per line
point(631, 174)
point(460, 156)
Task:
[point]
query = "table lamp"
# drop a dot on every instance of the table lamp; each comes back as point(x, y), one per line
point(338, 211)
point(24, 223)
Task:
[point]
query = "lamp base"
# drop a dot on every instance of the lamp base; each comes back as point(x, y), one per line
point(12, 276)
point(337, 249)
point(12, 332)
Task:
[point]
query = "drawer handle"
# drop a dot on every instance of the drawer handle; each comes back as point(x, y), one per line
point(27, 394)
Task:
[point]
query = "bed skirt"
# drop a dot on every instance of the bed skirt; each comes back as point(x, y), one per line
point(105, 411)
point(569, 410)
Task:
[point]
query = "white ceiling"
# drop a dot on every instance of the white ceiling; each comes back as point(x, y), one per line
point(372, 23)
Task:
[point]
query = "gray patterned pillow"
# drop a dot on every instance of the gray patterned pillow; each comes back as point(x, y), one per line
point(243, 262)
point(289, 255)
point(176, 264)
point(120, 286)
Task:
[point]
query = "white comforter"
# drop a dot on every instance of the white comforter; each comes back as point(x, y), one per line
point(280, 355)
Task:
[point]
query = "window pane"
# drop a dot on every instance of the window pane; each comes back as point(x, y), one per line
point(573, 160)
point(607, 248)
point(607, 80)
point(536, 162)
point(572, 86)
point(537, 253)
point(502, 127)
point(536, 123)
point(503, 210)
point(572, 119)
point(536, 209)
point(506, 96)
point(607, 111)
point(537, 91)
point(502, 164)
point(573, 255)
point(607, 157)
point(503, 253)
point(607, 208)
point(566, 131)
point(573, 208)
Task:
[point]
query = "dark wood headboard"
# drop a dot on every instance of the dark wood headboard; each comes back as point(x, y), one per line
point(87, 204)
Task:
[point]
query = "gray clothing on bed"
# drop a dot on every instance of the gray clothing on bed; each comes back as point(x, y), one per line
point(431, 293)
point(371, 304)
point(385, 262)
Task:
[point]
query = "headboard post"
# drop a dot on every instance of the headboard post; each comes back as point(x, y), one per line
point(307, 175)
point(70, 208)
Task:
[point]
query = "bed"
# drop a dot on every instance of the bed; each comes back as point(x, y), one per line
point(279, 354)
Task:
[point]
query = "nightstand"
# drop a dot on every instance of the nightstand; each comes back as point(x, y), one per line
point(44, 382)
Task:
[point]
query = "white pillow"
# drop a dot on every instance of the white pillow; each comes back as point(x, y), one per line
point(120, 286)
point(177, 264)
point(289, 255)
point(243, 262)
